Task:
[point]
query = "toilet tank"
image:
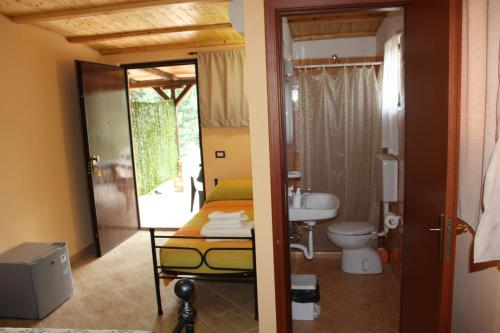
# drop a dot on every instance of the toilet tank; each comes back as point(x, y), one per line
point(387, 178)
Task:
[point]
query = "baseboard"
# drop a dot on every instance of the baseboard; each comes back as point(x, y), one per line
point(85, 252)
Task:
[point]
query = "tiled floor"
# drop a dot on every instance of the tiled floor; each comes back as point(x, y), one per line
point(350, 303)
point(117, 292)
point(167, 208)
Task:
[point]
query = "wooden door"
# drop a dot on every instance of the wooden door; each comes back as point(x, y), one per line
point(431, 72)
point(432, 106)
point(106, 129)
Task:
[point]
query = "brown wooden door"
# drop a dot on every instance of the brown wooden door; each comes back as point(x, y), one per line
point(106, 128)
point(432, 32)
point(432, 99)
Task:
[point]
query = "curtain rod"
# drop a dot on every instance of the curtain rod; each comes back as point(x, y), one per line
point(375, 63)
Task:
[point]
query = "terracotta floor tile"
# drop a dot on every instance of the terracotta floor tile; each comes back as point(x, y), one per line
point(233, 321)
point(351, 303)
point(117, 291)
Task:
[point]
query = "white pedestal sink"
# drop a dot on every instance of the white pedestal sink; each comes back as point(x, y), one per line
point(315, 207)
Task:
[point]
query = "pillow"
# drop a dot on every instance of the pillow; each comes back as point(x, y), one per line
point(232, 189)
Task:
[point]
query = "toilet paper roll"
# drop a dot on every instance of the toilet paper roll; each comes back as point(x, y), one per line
point(391, 220)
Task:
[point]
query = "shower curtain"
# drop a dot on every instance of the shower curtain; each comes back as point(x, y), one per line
point(338, 126)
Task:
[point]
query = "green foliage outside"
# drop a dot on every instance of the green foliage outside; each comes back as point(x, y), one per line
point(189, 132)
point(155, 141)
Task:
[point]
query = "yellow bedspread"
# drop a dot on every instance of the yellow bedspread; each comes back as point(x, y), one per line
point(237, 259)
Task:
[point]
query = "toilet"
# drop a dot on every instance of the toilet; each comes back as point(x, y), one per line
point(355, 238)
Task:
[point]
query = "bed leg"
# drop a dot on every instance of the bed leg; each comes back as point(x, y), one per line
point(155, 271)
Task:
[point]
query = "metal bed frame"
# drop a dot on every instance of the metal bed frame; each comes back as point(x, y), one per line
point(172, 272)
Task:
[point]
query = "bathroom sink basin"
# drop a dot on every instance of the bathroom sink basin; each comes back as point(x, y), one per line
point(315, 207)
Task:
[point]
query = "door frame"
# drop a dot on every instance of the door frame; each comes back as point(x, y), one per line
point(192, 61)
point(273, 11)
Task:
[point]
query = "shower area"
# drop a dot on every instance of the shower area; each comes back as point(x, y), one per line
point(336, 125)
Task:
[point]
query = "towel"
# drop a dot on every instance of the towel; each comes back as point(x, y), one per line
point(224, 225)
point(487, 239)
point(245, 230)
point(221, 216)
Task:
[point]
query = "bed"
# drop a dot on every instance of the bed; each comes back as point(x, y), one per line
point(188, 254)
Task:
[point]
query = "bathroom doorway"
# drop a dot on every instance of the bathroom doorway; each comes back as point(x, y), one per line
point(426, 127)
point(344, 127)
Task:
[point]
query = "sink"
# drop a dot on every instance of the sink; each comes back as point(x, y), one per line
point(315, 207)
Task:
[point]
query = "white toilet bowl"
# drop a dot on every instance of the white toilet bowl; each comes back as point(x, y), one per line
point(358, 257)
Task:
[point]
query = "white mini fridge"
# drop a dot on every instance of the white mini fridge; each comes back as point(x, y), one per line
point(35, 278)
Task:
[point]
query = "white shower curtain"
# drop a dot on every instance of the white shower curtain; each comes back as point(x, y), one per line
point(337, 123)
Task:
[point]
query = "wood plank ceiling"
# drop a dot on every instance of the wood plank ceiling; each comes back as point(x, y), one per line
point(164, 80)
point(338, 25)
point(119, 26)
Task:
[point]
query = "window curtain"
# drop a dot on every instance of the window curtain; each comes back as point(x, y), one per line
point(479, 166)
point(478, 105)
point(391, 95)
point(337, 123)
point(221, 84)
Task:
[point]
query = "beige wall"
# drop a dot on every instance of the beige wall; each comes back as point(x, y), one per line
point(44, 189)
point(476, 293)
point(259, 140)
point(235, 141)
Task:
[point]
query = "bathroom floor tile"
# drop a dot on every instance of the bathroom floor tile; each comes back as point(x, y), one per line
point(350, 302)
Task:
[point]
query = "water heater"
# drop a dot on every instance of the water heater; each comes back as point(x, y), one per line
point(387, 178)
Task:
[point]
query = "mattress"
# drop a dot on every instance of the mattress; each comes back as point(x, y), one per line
point(185, 258)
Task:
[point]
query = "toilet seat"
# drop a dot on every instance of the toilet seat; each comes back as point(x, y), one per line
point(351, 228)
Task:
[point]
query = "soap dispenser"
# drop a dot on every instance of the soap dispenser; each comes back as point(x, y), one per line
point(297, 198)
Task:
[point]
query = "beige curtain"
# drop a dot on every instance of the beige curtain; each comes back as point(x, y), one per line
point(480, 39)
point(338, 129)
point(221, 81)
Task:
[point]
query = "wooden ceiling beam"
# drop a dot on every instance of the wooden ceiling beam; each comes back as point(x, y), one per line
point(159, 72)
point(145, 32)
point(183, 93)
point(163, 47)
point(336, 18)
point(111, 8)
point(335, 35)
point(166, 84)
point(161, 93)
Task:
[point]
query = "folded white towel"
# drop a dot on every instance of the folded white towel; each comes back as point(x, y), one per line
point(226, 222)
point(222, 216)
point(245, 230)
point(224, 225)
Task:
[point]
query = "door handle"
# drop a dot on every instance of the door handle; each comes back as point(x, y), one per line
point(94, 164)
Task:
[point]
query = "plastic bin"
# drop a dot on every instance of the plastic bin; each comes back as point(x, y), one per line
point(305, 295)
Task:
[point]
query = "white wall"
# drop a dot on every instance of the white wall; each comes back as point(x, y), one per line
point(391, 24)
point(476, 293)
point(343, 47)
point(287, 40)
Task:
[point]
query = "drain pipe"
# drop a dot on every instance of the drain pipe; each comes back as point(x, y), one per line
point(308, 252)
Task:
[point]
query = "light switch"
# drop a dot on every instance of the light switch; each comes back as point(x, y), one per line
point(220, 154)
